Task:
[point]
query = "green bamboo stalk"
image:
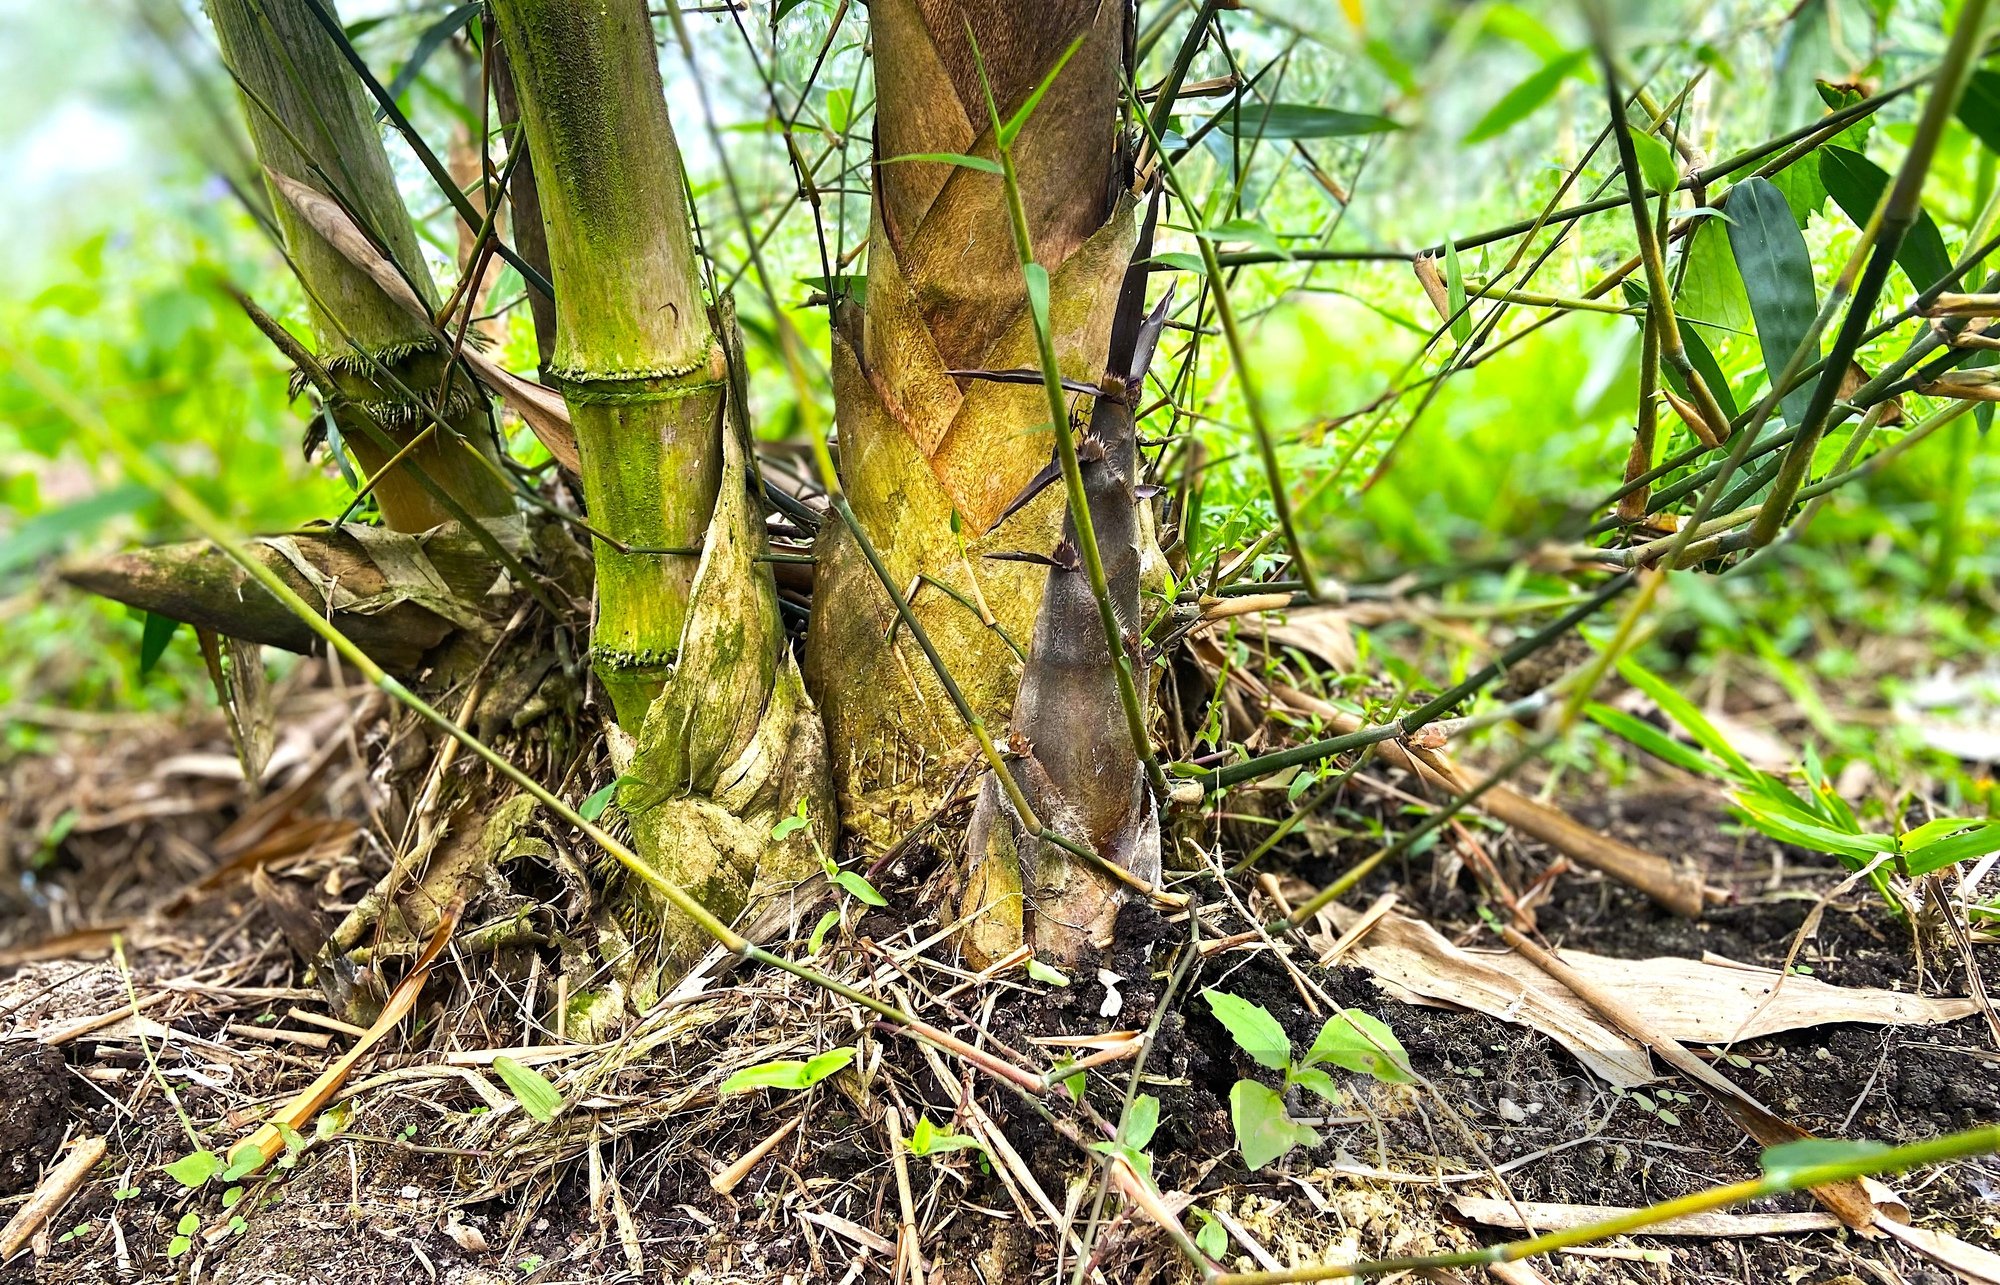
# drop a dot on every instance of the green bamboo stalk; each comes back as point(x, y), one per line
point(636, 356)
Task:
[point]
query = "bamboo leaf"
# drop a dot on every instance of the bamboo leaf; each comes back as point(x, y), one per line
point(1520, 102)
point(1037, 278)
point(1682, 711)
point(159, 631)
point(1019, 120)
point(1249, 231)
point(530, 1088)
point(1298, 120)
point(1788, 1158)
point(960, 159)
point(1856, 185)
point(1979, 107)
point(427, 44)
point(1777, 276)
point(1454, 285)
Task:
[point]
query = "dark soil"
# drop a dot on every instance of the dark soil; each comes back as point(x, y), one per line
point(388, 1204)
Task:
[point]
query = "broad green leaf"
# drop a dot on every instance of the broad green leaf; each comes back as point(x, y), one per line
point(1454, 295)
point(1141, 1122)
point(248, 1161)
point(1520, 101)
point(1938, 855)
point(194, 1168)
point(1213, 1238)
point(1682, 711)
point(1297, 120)
point(1697, 349)
point(788, 826)
point(1637, 731)
point(1856, 185)
point(959, 159)
point(1263, 1131)
point(1355, 1041)
point(1253, 1028)
point(839, 106)
point(1790, 1158)
point(1314, 1080)
point(859, 888)
point(1777, 276)
point(1182, 260)
point(1711, 288)
point(1979, 107)
point(1656, 162)
point(189, 1224)
point(594, 806)
point(158, 632)
point(1019, 120)
point(535, 1094)
point(789, 1075)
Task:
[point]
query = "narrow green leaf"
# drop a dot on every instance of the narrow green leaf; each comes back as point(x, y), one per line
point(1454, 292)
point(1249, 231)
point(1213, 1238)
point(1521, 101)
point(860, 888)
point(535, 1094)
point(1037, 278)
point(959, 159)
point(1253, 1028)
point(1778, 277)
point(594, 806)
point(1932, 831)
point(788, 1074)
point(818, 938)
point(1297, 120)
point(158, 632)
point(1263, 1131)
point(1014, 124)
point(1788, 1158)
point(1964, 847)
point(1637, 731)
point(427, 44)
point(1182, 260)
point(1682, 711)
point(1856, 185)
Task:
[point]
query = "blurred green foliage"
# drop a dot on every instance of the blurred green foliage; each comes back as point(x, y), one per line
point(1894, 581)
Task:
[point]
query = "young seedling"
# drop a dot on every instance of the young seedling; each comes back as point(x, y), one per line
point(1351, 1040)
point(789, 1075)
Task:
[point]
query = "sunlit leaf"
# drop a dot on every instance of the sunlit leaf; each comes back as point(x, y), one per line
point(1520, 102)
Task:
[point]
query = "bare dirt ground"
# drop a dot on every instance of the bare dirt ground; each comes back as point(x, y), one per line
point(427, 1168)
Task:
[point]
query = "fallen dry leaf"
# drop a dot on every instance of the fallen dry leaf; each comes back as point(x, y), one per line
point(1693, 1001)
